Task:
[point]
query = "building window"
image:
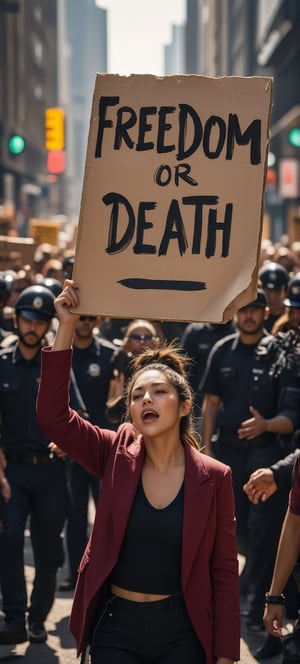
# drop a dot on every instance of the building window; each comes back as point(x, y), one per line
point(37, 50)
point(37, 90)
point(37, 13)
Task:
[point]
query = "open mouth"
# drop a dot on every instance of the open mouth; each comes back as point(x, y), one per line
point(149, 416)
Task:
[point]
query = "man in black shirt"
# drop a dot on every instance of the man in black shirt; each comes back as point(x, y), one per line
point(274, 279)
point(197, 341)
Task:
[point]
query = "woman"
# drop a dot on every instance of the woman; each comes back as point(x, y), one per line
point(287, 556)
point(159, 578)
point(139, 334)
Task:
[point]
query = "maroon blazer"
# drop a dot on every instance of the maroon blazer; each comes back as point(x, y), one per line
point(210, 582)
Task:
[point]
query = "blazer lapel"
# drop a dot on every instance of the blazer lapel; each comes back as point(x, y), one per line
point(199, 491)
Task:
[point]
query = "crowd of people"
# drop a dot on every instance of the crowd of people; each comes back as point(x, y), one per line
point(241, 381)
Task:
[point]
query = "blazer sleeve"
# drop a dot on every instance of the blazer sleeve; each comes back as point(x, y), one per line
point(82, 441)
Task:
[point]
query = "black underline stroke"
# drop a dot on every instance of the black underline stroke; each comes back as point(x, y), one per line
point(163, 284)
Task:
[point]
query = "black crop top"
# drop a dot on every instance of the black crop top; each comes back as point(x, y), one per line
point(150, 556)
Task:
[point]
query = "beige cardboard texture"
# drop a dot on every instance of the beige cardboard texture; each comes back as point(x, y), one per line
point(172, 203)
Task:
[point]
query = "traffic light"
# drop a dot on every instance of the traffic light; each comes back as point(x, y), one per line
point(294, 137)
point(56, 161)
point(16, 144)
point(54, 129)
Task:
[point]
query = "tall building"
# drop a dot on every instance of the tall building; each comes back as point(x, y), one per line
point(197, 45)
point(82, 52)
point(278, 54)
point(250, 38)
point(28, 84)
point(232, 25)
point(174, 52)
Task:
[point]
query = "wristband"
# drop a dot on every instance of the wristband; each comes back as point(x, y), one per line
point(274, 599)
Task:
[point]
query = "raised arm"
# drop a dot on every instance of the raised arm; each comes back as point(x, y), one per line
point(68, 299)
point(77, 437)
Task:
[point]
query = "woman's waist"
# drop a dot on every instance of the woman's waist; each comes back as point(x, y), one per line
point(134, 596)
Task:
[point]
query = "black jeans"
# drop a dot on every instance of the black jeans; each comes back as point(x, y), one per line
point(146, 633)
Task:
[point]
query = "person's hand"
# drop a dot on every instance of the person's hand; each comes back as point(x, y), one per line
point(273, 616)
point(66, 300)
point(56, 450)
point(260, 486)
point(252, 427)
point(2, 460)
point(5, 488)
point(4, 485)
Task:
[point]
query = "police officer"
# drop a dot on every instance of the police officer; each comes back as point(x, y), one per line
point(53, 284)
point(37, 479)
point(196, 341)
point(255, 411)
point(93, 371)
point(291, 318)
point(68, 266)
point(274, 280)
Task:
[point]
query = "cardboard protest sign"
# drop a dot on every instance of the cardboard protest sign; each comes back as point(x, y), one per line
point(172, 202)
point(15, 252)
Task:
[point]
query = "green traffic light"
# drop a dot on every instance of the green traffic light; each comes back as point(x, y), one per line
point(294, 137)
point(16, 144)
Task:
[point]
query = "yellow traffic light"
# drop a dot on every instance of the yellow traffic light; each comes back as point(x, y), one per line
point(54, 129)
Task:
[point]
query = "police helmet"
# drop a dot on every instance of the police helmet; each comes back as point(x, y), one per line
point(68, 265)
point(10, 276)
point(36, 303)
point(273, 275)
point(53, 284)
point(261, 300)
point(293, 292)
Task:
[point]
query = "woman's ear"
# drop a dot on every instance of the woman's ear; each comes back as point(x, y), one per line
point(185, 408)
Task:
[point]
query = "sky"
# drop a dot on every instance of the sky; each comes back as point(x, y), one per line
point(137, 31)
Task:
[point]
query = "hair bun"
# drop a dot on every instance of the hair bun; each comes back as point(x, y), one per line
point(168, 354)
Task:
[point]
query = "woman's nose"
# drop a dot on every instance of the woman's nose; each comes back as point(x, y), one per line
point(146, 396)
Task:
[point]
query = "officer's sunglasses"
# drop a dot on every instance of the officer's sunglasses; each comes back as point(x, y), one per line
point(141, 337)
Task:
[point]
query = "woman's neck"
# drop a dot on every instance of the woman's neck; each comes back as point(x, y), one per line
point(162, 455)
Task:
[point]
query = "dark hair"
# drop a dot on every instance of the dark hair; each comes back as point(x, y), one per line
point(168, 359)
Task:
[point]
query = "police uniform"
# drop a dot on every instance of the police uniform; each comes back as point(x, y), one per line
point(196, 341)
point(292, 299)
point(38, 486)
point(291, 318)
point(93, 372)
point(273, 276)
point(243, 375)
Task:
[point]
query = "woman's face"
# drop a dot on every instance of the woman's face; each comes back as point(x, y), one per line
point(155, 408)
point(139, 338)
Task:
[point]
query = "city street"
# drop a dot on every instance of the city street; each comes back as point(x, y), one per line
point(60, 646)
